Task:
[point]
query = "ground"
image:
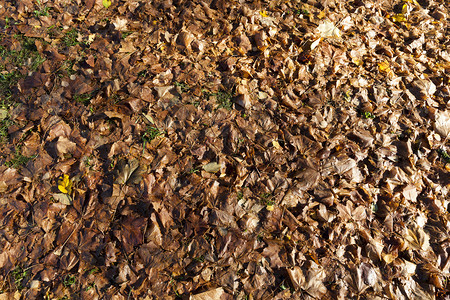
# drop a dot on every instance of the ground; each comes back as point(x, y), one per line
point(224, 149)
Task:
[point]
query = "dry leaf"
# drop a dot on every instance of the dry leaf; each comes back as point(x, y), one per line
point(129, 172)
point(328, 30)
point(442, 123)
point(215, 294)
point(63, 198)
point(212, 167)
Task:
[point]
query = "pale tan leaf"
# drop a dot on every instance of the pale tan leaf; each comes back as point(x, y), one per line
point(63, 198)
point(212, 167)
point(215, 294)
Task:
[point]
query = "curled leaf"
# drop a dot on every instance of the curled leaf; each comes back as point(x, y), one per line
point(65, 184)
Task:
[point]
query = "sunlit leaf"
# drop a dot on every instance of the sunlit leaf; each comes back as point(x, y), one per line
point(276, 145)
point(399, 18)
point(384, 67)
point(263, 14)
point(328, 30)
point(65, 184)
point(106, 3)
point(3, 114)
point(315, 43)
point(212, 167)
point(63, 198)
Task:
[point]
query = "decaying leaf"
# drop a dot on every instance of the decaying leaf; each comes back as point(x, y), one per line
point(305, 152)
point(129, 172)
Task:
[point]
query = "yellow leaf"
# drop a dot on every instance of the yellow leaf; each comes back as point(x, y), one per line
point(405, 9)
point(65, 184)
point(91, 38)
point(276, 145)
point(263, 14)
point(270, 207)
point(399, 18)
point(106, 3)
point(384, 67)
point(388, 258)
point(321, 15)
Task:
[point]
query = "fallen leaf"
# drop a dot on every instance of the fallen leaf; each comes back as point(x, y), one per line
point(328, 30)
point(65, 184)
point(442, 123)
point(128, 172)
point(384, 67)
point(276, 145)
point(106, 3)
point(3, 114)
point(63, 198)
point(215, 294)
point(212, 167)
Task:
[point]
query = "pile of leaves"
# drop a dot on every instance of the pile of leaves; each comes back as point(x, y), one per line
point(224, 149)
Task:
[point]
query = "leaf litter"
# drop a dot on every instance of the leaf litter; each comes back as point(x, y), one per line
point(224, 149)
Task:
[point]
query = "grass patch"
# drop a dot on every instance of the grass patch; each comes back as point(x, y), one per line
point(42, 10)
point(444, 155)
point(26, 56)
point(68, 65)
point(19, 160)
point(367, 115)
point(69, 280)
point(224, 99)
point(5, 122)
point(7, 82)
point(19, 275)
point(181, 87)
point(12, 61)
point(267, 199)
point(70, 38)
point(151, 133)
point(83, 98)
point(126, 33)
